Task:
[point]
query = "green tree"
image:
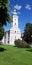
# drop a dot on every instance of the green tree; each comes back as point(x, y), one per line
point(28, 33)
point(1, 32)
point(4, 15)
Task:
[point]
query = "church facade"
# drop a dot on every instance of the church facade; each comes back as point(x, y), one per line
point(14, 33)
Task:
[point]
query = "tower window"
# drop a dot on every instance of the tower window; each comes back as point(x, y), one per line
point(15, 23)
point(15, 19)
point(15, 31)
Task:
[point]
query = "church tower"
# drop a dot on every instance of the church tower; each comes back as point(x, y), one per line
point(15, 19)
point(15, 32)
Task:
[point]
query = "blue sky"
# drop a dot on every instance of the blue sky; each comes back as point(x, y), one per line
point(24, 10)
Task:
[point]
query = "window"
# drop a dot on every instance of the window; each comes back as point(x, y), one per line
point(15, 23)
point(15, 31)
point(8, 42)
point(15, 19)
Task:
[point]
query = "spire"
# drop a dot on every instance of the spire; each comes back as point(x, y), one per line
point(15, 13)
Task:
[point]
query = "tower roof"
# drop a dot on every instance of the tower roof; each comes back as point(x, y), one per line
point(15, 13)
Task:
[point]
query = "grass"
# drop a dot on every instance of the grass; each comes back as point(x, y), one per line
point(10, 55)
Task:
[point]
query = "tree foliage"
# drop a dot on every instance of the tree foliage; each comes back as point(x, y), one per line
point(4, 9)
point(21, 44)
point(4, 15)
point(28, 33)
point(1, 32)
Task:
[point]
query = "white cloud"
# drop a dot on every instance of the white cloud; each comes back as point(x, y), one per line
point(28, 7)
point(18, 7)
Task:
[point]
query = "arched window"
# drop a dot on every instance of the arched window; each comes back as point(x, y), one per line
point(15, 23)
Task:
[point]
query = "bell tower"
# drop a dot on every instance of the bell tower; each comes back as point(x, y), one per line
point(15, 19)
point(14, 32)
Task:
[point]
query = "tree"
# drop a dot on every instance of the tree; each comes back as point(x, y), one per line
point(4, 16)
point(28, 33)
point(4, 9)
point(1, 32)
point(21, 44)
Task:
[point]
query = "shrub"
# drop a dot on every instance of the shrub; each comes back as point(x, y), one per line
point(21, 44)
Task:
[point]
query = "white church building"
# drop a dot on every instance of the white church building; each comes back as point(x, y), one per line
point(14, 33)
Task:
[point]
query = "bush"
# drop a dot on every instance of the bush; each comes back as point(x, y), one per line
point(21, 44)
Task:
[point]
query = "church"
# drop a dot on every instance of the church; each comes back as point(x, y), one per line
point(14, 33)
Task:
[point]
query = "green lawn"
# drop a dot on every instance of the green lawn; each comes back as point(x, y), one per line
point(10, 55)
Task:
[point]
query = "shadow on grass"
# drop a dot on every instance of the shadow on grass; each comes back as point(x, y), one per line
point(30, 50)
point(2, 49)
